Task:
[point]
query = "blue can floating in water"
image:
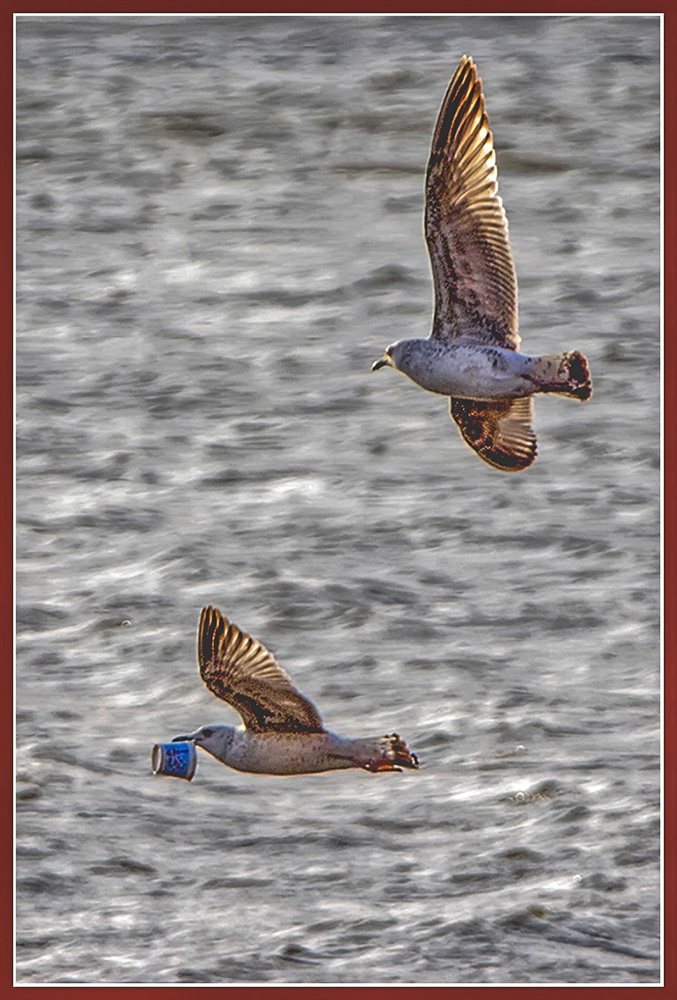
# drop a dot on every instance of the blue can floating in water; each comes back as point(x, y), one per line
point(176, 760)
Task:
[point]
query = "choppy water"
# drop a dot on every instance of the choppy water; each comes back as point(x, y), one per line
point(219, 229)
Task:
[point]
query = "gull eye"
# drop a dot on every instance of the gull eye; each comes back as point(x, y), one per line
point(207, 732)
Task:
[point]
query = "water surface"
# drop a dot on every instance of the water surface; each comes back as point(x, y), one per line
point(219, 229)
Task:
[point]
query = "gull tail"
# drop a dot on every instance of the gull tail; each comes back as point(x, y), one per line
point(386, 753)
point(567, 374)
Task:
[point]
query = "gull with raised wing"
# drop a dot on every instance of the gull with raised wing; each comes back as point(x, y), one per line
point(472, 355)
point(283, 732)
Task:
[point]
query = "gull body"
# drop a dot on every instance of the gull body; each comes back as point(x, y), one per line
point(472, 370)
point(292, 753)
point(283, 732)
point(472, 354)
point(468, 370)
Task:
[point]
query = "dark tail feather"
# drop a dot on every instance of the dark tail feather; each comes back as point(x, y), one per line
point(579, 375)
point(567, 374)
point(389, 753)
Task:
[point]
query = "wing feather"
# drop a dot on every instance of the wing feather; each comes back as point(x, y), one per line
point(241, 671)
point(500, 432)
point(466, 226)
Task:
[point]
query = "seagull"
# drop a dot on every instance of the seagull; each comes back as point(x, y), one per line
point(283, 732)
point(472, 355)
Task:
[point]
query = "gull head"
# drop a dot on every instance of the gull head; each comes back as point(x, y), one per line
point(214, 739)
point(387, 361)
point(396, 356)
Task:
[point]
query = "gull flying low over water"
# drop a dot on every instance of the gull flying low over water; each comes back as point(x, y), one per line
point(283, 732)
point(472, 353)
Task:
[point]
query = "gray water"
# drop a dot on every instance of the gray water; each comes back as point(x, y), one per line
point(219, 228)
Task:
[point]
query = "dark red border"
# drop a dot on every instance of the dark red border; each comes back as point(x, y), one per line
point(670, 530)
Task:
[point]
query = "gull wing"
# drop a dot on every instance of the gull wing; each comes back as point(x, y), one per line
point(241, 671)
point(465, 225)
point(500, 432)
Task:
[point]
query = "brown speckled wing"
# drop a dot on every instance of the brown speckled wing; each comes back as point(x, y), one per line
point(465, 224)
point(500, 432)
point(241, 671)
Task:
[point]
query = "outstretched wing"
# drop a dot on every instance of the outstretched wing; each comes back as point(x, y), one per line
point(241, 671)
point(465, 225)
point(500, 432)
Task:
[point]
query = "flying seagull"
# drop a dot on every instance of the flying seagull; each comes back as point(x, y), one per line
point(472, 352)
point(283, 732)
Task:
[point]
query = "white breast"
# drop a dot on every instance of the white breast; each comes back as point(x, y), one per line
point(468, 371)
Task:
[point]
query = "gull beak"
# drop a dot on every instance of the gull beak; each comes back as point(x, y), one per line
point(183, 739)
point(381, 363)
